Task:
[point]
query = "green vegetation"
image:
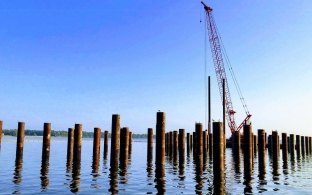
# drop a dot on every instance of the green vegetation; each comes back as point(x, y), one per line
point(60, 133)
point(54, 133)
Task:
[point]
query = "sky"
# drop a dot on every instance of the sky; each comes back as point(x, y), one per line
point(68, 62)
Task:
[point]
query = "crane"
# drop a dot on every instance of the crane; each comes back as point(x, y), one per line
point(217, 51)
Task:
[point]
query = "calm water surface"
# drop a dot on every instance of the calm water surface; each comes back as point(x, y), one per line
point(29, 177)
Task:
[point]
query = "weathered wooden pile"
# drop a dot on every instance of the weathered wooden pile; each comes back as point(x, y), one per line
point(201, 143)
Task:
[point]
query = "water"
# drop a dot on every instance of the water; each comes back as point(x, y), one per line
point(28, 177)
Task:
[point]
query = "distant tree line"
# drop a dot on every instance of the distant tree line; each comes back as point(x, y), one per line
point(60, 133)
point(13, 132)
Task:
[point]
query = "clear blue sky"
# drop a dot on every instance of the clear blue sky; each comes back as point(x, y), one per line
point(69, 62)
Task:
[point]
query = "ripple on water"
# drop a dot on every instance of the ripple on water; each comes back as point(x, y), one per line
point(29, 177)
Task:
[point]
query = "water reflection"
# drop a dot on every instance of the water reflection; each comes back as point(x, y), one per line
point(149, 168)
point(160, 180)
point(105, 167)
point(95, 164)
point(44, 174)
point(248, 165)
point(181, 166)
point(123, 173)
point(285, 167)
point(236, 163)
point(261, 171)
point(68, 177)
point(75, 184)
point(95, 174)
point(275, 172)
point(113, 178)
point(285, 171)
point(292, 165)
point(175, 153)
point(175, 166)
point(95, 169)
point(248, 168)
point(188, 159)
point(185, 181)
point(247, 181)
point(219, 184)
point(69, 166)
point(205, 160)
point(17, 177)
point(198, 165)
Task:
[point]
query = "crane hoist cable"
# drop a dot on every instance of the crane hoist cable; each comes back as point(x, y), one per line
point(219, 55)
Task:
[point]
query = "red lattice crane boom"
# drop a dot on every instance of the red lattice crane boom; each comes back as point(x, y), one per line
point(216, 50)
